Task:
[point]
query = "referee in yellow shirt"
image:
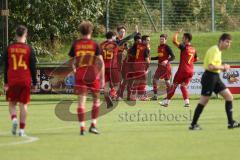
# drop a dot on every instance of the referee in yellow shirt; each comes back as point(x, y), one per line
point(211, 82)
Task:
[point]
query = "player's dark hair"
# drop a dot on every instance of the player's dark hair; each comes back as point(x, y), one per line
point(137, 36)
point(86, 28)
point(164, 36)
point(188, 36)
point(225, 36)
point(144, 37)
point(110, 34)
point(21, 30)
point(121, 27)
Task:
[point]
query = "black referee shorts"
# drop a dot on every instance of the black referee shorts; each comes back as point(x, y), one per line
point(211, 82)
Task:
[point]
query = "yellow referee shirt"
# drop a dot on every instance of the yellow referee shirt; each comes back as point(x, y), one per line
point(214, 57)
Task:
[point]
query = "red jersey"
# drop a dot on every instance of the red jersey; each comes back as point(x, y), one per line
point(141, 52)
point(85, 51)
point(122, 44)
point(164, 52)
point(130, 55)
point(109, 50)
point(187, 58)
point(20, 64)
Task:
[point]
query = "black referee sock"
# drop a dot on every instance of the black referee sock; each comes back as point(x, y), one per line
point(197, 113)
point(228, 107)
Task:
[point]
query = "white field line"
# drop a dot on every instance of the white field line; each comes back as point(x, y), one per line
point(27, 139)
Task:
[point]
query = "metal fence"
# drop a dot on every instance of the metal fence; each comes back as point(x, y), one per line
point(168, 15)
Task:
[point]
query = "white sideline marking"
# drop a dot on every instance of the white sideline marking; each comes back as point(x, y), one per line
point(27, 139)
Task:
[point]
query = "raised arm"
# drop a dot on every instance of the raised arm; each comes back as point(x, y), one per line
point(175, 39)
point(181, 46)
point(124, 40)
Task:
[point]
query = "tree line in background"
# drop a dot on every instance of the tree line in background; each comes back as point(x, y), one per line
point(51, 22)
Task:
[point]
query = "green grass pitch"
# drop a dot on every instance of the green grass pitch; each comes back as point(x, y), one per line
point(123, 135)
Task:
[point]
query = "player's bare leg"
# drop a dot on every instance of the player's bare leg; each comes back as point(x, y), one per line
point(13, 114)
point(81, 112)
point(95, 112)
point(23, 117)
point(227, 95)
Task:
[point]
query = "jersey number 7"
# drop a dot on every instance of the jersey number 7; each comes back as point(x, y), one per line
point(191, 55)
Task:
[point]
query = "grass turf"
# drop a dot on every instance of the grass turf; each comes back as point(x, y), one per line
point(120, 137)
point(201, 41)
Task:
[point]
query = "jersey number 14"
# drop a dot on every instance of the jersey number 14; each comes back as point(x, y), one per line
point(18, 62)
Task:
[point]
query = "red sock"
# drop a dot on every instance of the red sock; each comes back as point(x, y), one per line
point(95, 111)
point(184, 92)
point(13, 116)
point(82, 128)
point(93, 125)
point(22, 125)
point(141, 89)
point(112, 92)
point(171, 91)
point(81, 113)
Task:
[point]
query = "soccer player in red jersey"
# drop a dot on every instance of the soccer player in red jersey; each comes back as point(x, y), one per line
point(122, 46)
point(185, 70)
point(19, 74)
point(127, 70)
point(141, 64)
point(89, 74)
point(109, 50)
point(165, 55)
point(122, 40)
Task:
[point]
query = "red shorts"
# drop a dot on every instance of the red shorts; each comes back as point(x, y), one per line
point(112, 75)
point(182, 77)
point(82, 86)
point(139, 71)
point(19, 93)
point(163, 72)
